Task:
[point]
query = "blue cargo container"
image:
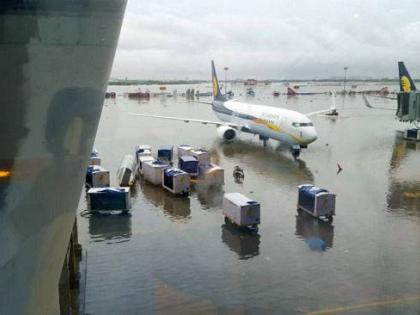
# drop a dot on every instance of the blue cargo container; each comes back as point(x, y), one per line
point(316, 201)
point(412, 134)
point(188, 164)
point(165, 153)
point(101, 199)
point(176, 181)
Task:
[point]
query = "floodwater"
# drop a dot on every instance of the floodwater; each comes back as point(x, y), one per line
point(176, 255)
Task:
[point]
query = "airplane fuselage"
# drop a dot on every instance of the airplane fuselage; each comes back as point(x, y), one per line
point(269, 122)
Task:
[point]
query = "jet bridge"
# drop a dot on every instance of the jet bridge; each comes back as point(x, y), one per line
point(408, 106)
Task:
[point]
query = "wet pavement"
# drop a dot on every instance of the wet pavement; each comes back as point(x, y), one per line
point(175, 255)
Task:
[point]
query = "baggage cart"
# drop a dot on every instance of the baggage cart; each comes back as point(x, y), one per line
point(97, 176)
point(176, 181)
point(240, 210)
point(109, 199)
point(316, 201)
point(152, 171)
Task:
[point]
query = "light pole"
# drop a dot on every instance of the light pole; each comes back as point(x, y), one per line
point(226, 69)
point(345, 77)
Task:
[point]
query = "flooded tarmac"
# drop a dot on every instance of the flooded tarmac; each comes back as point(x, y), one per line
point(176, 255)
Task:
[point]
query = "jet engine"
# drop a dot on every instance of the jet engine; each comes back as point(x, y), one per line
point(226, 133)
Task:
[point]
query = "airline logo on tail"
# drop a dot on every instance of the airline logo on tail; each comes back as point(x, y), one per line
point(406, 82)
point(215, 86)
point(216, 89)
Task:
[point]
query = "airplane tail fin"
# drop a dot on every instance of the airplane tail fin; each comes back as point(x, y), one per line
point(291, 92)
point(406, 83)
point(217, 95)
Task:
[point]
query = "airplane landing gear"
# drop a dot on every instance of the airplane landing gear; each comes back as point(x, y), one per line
point(295, 150)
point(264, 140)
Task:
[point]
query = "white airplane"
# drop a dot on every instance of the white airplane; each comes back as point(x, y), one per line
point(284, 125)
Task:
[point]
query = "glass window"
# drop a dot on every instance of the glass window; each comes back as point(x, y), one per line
point(308, 124)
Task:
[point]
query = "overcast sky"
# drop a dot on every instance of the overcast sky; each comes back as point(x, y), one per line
point(278, 39)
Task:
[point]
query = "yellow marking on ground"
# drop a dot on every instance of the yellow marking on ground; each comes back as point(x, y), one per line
point(374, 304)
point(5, 173)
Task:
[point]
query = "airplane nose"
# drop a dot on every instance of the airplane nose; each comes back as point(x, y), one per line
point(311, 135)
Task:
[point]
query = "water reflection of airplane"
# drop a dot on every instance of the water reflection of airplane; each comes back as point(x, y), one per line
point(110, 227)
point(317, 234)
point(175, 207)
point(245, 244)
point(404, 178)
point(268, 161)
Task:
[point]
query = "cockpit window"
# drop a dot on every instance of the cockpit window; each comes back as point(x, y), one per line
point(308, 124)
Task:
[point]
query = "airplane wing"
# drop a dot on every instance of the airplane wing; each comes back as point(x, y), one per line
point(388, 97)
point(187, 120)
point(324, 111)
point(367, 103)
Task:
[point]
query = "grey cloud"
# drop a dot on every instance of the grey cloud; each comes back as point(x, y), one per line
point(267, 39)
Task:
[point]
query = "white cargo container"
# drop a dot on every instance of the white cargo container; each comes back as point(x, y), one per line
point(142, 150)
point(94, 158)
point(241, 210)
point(184, 149)
point(142, 159)
point(202, 156)
point(125, 173)
point(212, 175)
point(97, 176)
point(152, 171)
point(108, 199)
point(176, 181)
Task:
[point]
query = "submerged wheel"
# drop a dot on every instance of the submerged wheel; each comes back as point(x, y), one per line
point(185, 193)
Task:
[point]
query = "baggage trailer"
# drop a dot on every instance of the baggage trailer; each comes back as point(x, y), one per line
point(184, 149)
point(317, 202)
point(142, 150)
point(152, 171)
point(165, 153)
point(94, 158)
point(109, 199)
point(141, 161)
point(212, 175)
point(202, 156)
point(240, 210)
point(176, 181)
point(412, 134)
point(188, 164)
point(97, 176)
point(125, 173)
